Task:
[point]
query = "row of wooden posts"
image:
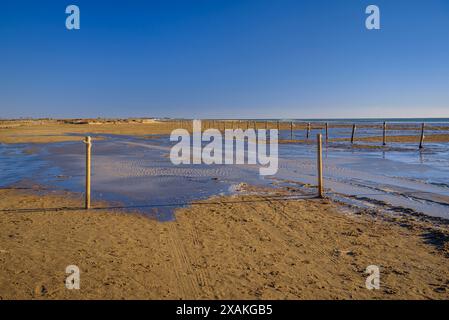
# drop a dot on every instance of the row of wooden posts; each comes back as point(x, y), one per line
point(384, 134)
point(320, 184)
point(216, 125)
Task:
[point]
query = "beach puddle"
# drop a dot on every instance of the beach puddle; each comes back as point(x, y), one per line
point(132, 173)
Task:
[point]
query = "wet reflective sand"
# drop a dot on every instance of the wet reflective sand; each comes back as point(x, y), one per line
point(137, 173)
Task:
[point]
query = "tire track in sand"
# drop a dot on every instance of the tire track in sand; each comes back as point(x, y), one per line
point(202, 274)
point(184, 273)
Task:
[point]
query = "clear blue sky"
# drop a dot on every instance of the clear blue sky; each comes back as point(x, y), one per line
point(224, 58)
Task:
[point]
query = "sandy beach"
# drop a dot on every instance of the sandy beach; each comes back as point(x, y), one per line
point(217, 158)
point(226, 233)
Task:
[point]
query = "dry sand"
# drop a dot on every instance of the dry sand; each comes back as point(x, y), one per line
point(238, 247)
point(46, 132)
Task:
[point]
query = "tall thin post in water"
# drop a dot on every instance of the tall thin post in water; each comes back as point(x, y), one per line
point(326, 125)
point(88, 143)
point(291, 130)
point(266, 129)
point(384, 136)
point(421, 140)
point(353, 133)
point(320, 164)
point(278, 128)
point(308, 130)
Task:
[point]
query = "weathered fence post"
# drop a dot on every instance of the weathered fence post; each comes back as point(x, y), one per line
point(384, 140)
point(353, 133)
point(308, 130)
point(320, 165)
point(88, 143)
point(421, 140)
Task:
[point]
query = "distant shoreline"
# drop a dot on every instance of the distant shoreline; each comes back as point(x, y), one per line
point(392, 120)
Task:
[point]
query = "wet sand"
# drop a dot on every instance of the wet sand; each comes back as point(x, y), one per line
point(137, 166)
point(404, 138)
point(238, 247)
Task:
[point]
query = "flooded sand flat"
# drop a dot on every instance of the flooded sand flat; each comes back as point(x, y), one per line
point(136, 173)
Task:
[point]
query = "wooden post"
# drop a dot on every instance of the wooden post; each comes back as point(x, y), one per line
point(278, 125)
point(320, 165)
point(308, 130)
point(88, 143)
point(255, 125)
point(353, 133)
point(421, 140)
point(291, 130)
point(384, 140)
point(327, 131)
point(266, 125)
